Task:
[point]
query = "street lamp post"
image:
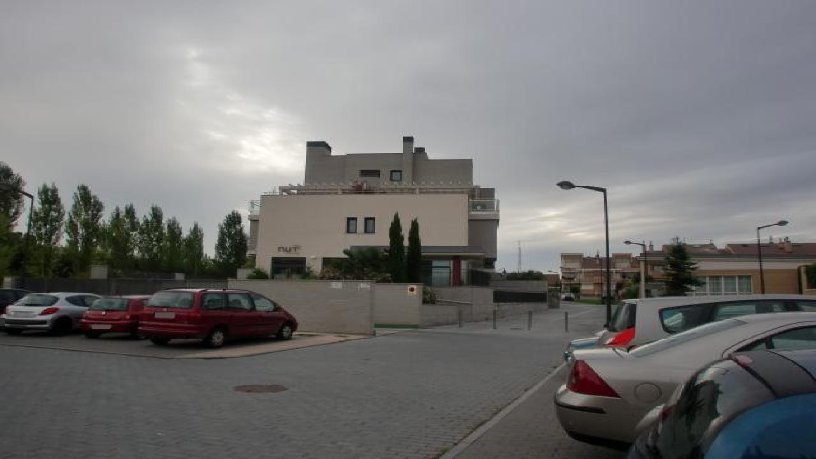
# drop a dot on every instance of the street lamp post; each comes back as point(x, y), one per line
point(8, 187)
point(567, 185)
point(644, 267)
point(759, 253)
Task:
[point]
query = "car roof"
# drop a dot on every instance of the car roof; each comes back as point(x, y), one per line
point(62, 294)
point(658, 302)
point(194, 290)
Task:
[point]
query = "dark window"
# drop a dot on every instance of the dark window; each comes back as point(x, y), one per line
point(809, 306)
point(37, 299)
point(736, 309)
point(239, 301)
point(369, 173)
point(110, 304)
point(351, 224)
point(675, 320)
point(213, 301)
point(396, 176)
point(170, 299)
point(369, 225)
point(623, 317)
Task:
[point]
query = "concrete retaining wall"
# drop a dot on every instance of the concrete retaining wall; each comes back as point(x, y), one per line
point(397, 304)
point(520, 285)
point(321, 306)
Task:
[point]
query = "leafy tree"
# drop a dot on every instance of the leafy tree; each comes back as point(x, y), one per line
point(413, 262)
point(46, 228)
point(11, 202)
point(679, 271)
point(367, 263)
point(527, 275)
point(231, 246)
point(151, 237)
point(396, 250)
point(173, 247)
point(83, 229)
point(121, 241)
point(194, 259)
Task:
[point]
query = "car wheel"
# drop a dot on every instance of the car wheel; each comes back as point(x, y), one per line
point(285, 331)
point(216, 337)
point(62, 326)
point(13, 331)
point(159, 341)
point(91, 335)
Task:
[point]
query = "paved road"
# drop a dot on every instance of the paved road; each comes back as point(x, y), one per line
point(413, 394)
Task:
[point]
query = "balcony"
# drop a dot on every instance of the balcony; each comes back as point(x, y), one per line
point(484, 209)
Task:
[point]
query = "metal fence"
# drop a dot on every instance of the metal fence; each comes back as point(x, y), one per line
point(115, 286)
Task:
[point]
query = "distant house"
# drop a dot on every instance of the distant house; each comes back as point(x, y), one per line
point(731, 270)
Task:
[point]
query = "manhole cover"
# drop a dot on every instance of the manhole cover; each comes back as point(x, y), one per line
point(261, 388)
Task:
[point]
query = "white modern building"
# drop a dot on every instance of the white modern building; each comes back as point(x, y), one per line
point(348, 201)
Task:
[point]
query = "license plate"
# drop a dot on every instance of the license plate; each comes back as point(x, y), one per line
point(165, 315)
point(100, 326)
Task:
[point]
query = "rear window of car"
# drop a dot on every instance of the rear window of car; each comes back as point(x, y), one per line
point(688, 335)
point(805, 305)
point(110, 304)
point(183, 300)
point(623, 317)
point(37, 299)
point(714, 394)
point(676, 320)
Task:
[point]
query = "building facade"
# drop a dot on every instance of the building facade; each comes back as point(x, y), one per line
point(348, 201)
point(730, 270)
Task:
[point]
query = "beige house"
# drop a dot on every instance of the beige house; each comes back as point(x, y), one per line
point(731, 270)
point(349, 201)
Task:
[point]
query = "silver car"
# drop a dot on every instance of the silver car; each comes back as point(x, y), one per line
point(609, 389)
point(635, 322)
point(58, 312)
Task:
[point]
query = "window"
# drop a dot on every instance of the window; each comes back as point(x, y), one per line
point(263, 304)
point(798, 338)
point(213, 301)
point(728, 310)
point(369, 225)
point(171, 299)
point(675, 320)
point(369, 173)
point(396, 176)
point(351, 224)
point(239, 301)
point(724, 285)
point(809, 306)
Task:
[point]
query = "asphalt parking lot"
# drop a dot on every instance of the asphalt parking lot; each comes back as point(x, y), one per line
point(413, 394)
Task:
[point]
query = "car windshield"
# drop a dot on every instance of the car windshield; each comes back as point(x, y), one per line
point(37, 299)
point(688, 335)
point(171, 300)
point(110, 304)
point(623, 317)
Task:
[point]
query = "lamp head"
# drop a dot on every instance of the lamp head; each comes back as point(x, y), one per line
point(627, 242)
point(782, 222)
point(566, 185)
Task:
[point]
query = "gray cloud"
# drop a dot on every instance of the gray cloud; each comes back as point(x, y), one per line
point(696, 116)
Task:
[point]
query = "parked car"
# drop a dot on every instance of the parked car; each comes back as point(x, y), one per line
point(213, 316)
point(9, 296)
point(610, 389)
point(568, 297)
point(113, 314)
point(753, 404)
point(58, 312)
point(635, 322)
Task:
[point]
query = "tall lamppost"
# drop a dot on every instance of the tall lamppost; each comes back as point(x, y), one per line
point(9, 187)
point(644, 268)
point(566, 185)
point(759, 253)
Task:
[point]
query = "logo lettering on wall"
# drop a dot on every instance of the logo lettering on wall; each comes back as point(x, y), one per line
point(289, 249)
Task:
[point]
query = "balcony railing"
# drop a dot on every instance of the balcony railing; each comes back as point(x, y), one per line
point(490, 206)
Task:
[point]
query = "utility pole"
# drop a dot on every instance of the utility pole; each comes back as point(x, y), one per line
point(519, 256)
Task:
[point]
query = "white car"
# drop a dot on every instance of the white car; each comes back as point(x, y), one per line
point(635, 322)
point(609, 390)
point(58, 312)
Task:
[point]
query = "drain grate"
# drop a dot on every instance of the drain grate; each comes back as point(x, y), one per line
point(261, 388)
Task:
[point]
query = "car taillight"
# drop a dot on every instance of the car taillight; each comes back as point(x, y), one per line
point(49, 311)
point(622, 338)
point(584, 380)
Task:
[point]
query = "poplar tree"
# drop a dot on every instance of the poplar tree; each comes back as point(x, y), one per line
point(46, 227)
point(414, 257)
point(396, 250)
point(231, 246)
point(83, 229)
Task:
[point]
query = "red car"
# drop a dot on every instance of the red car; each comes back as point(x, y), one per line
point(213, 316)
point(113, 314)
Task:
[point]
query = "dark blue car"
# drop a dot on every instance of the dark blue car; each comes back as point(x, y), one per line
point(759, 404)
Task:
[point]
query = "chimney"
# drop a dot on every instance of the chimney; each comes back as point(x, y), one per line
point(407, 145)
point(407, 159)
point(316, 150)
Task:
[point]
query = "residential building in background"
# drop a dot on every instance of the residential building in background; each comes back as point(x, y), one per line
point(731, 270)
point(348, 201)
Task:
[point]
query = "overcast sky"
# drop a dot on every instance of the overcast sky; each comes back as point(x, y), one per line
point(698, 116)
